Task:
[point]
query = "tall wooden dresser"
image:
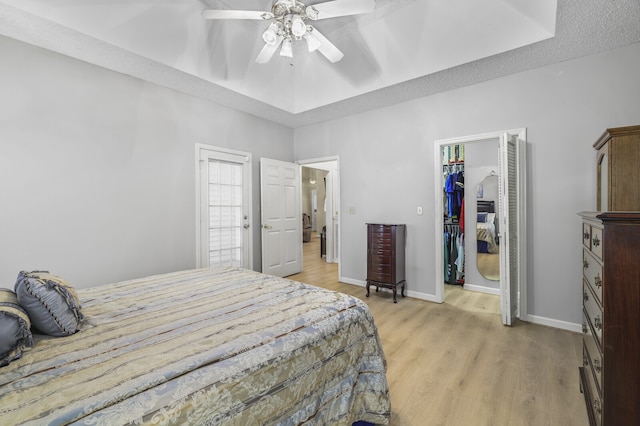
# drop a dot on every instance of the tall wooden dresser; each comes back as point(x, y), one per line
point(386, 257)
point(610, 375)
point(618, 169)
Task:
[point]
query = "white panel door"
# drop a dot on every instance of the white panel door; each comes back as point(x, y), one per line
point(224, 207)
point(509, 227)
point(281, 217)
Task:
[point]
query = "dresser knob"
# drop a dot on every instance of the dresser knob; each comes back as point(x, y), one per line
point(596, 365)
point(584, 327)
point(585, 361)
point(597, 281)
point(596, 241)
point(586, 235)
point(585, 296)
point(585, 264)
point(597, 407)
point(597, 322)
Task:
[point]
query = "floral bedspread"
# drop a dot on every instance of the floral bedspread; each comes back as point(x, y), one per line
point(205, 347)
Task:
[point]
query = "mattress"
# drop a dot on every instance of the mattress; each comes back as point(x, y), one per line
point(205, 347)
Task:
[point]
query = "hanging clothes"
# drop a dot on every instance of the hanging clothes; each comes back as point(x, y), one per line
point(453, 255)
point(460, 260)
point(453, 209)
point(461, 221)
point(447, 272)
point(454, 188)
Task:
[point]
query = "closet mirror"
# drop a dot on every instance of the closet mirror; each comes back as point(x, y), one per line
point(487, 233)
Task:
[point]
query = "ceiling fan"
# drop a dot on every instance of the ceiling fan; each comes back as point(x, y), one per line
point(290, 23)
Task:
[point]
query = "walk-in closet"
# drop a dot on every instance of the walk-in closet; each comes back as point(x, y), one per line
point(479, 205)
point(471, 243)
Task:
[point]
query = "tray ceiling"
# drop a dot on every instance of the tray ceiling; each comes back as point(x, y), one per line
point(404, 49)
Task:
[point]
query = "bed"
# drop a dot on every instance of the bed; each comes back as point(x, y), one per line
point(204, 347)
point(486, 228)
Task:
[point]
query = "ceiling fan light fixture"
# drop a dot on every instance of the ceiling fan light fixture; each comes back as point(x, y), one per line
point(287, 48)
point(270, 36)
point(298, 27)
point(312, 41)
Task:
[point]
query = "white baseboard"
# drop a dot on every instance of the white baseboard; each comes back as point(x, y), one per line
point(346, 280)
point(423, 296)
point(482, 289)
point(550, 322)
point(408, 293)
point(535, 319)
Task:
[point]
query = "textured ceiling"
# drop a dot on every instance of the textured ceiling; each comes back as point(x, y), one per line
point(405, 49)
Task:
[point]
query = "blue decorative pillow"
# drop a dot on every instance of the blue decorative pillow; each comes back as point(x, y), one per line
point(52, 304)
point(482, 217)
point(15, 328)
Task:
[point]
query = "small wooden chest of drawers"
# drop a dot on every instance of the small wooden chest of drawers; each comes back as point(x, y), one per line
point(386, 257)
point(610, 374)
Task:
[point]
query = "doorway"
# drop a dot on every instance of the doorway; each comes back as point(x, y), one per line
point(223, 210)
point(509, 151)
point(325, 175)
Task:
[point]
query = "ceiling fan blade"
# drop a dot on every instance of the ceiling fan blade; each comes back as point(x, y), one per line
point(268, 50)
point(335, 8)
point(328, 49)
point(236, 14)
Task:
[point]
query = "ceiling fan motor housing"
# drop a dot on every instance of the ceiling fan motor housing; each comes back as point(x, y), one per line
point(287, 7)
point(293, 15)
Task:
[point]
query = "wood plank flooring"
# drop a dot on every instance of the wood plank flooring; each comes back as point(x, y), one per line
point(455, 364)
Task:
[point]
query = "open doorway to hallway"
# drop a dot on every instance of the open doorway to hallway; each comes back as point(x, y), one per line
point(320, 200)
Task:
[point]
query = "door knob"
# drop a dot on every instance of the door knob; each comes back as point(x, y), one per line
point(267, 226)
point(246, 226)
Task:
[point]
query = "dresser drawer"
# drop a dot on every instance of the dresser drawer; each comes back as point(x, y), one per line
point(592, 238)
point(379, 270)
point(596, 398)
point(596, 241)
point(380, 250)
point(592, 354)
point(593, 313)
point(380, 246)
point(380, 277)
point(592, 270)
point(381, 257)
point(380, 230)
point(586, 235)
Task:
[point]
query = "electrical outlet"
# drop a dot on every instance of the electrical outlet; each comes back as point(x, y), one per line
point(420, 210)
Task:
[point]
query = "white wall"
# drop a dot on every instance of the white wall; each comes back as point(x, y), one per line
point(565, 108)
point(97, 169)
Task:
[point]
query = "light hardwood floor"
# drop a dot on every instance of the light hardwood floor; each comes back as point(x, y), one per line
point(456, 364)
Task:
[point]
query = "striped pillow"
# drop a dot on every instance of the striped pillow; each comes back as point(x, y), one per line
point(15, 328)
point(52, 304)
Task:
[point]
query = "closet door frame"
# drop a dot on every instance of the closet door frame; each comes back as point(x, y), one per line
point(521, 136)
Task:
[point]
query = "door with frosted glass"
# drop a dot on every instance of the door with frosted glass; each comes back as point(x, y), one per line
point(225, 188)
